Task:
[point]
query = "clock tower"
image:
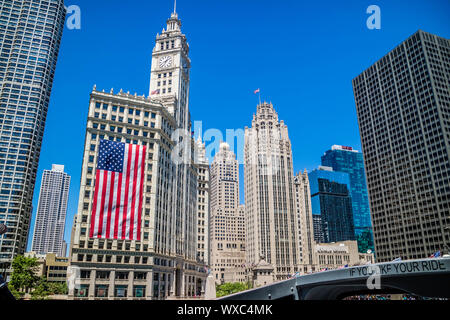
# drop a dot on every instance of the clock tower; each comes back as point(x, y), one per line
point(169, 80)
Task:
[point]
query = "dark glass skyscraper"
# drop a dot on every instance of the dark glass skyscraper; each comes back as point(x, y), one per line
point(403, 107)
point(331, 205)
point(345, 159)
point(30, 35)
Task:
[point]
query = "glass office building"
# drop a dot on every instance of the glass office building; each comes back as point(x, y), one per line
point(331, 205)
point(346, 159)
point(30, 35)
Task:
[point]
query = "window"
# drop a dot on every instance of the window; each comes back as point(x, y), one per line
point(101, 291)
point(120, 291)
point(139, 291)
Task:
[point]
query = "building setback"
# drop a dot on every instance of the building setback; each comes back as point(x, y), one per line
point(331, 205)
point(403, 108)
point(50, 220)
point(346, 159)
point(270, 215)
point(29, 50)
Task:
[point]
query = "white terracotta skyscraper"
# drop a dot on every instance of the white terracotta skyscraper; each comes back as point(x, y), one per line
point(271, 222)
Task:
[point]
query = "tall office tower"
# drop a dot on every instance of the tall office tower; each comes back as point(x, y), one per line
point(202, 203)
point(227, 219)
point(169, 84)
point(331, 205)
point(346, 159)
point(50, 221)
point(30, 34)
point(403, 107)
point(305, 221)
point(271, 220)
point(164, 262)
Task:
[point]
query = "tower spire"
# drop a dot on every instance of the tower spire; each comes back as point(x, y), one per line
point(175, 7)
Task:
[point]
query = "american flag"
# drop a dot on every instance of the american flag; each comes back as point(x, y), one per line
point(117, 207)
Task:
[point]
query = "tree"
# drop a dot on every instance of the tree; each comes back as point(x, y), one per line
point(230, 288)
point(24, 280)
point(23, 277)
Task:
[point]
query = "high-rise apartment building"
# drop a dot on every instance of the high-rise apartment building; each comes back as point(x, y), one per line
point(346, 159)
point(164, 262)
point(51, 212)
point(271, 219)
point(227, 229)
point(30, 35)
point(331, 205)
point(203, 248)
point(305, 221)
point(403, 107)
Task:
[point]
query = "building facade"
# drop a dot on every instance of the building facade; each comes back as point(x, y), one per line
point(30, 35)
point(51, 212)
point(346, 159)
point(164, 263)
point(203, 252)
point(340, 254)
point(271, 220)
point(305, 220)
point(403, 108)
point(227, 229)
point(331, 205)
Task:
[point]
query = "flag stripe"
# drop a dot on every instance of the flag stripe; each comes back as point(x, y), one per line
point(141, 193)
point(94, 205)
point(128, 154)
point(112, 183)
point(133, 195)
point(102, 205)
point(118, 206)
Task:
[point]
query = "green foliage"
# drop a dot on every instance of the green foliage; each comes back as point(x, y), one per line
point(24, 276)
point(43, 289)
point(230, 288)
point(24, 280)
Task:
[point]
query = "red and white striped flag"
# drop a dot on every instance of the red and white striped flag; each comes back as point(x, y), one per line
point(257, 91)
point(117, 207)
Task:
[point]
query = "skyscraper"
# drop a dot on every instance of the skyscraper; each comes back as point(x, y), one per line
point(403, 107)
point(51, 212)
point(227, 219)
point(164, 262)
point(270, 215)
point(30, 35)
point(346, 159)
point(331, 205)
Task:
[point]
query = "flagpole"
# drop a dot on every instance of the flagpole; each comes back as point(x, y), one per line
point(259, 93)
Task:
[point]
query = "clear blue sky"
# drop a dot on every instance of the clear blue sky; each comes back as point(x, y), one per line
point(302, 54)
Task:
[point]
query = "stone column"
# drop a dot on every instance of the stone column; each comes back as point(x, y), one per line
point(112, 277)
point(91, 294)
point(130, 285)
point(149, 290)
point(172, 284)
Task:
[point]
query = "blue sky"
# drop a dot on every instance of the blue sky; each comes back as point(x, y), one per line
point(302, 54)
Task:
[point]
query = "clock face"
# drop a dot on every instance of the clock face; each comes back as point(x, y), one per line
point(165, 62)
